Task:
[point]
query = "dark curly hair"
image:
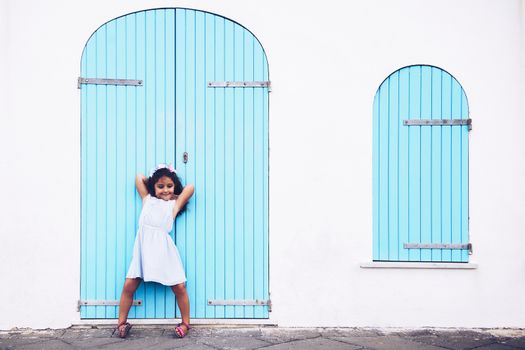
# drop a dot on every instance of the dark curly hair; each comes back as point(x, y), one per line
point(153, 179)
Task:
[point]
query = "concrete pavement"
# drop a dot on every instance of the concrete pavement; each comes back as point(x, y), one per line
point(204, 337)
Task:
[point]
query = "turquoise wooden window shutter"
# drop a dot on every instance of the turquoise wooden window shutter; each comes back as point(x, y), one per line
point(164, 109)
point(420, 167)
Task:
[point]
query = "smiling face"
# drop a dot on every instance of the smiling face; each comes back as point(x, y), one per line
point(164, 188)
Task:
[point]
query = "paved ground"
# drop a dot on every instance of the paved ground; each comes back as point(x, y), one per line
point(270, 338)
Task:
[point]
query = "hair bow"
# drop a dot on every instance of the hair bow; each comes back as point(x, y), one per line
point(163, 166)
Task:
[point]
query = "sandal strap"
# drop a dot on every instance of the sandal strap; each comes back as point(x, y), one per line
point(127, 324)
point(181, 333)
point(123, 333)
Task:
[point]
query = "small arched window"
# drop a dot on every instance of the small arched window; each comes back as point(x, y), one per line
point(420, 167)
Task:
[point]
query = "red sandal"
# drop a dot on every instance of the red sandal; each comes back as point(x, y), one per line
point(122, 333)
point(179, 330)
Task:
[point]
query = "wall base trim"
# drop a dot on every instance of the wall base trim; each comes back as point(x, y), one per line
point(174, 321)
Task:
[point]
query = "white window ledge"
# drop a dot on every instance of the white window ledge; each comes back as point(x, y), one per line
point(417, 265)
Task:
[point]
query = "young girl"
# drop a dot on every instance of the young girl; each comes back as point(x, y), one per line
point(155, 256)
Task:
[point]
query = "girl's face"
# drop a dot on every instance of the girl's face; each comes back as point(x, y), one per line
point(164, 188)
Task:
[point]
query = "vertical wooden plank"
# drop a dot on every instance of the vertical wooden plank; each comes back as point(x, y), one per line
point(91, 176)
point(140, 132)
point(464, 178)
point(426, 161)
point(266, 266)
point(150, 130)
point(126, 31)
point(83, 191)
point(180, 124)
point(403, 179)
point(456, 169)
point(190, 148)
point(160, 85)
point(129, 114)
point(238, 161)
point(259, 173)
point(384, 121)
point(393, 169)
point(436, 113)
point(446, 157)
point(101, 174)
point(121, 175)
point(135, 108)
point(375, 177)
point(220, 201)
point(111, 158)
point(248, 190)
point(200, 159)
point(229, 165)
point(210, 165)
point(169, 100)
point(414, 147)
point(159, 66)
point(169, 97)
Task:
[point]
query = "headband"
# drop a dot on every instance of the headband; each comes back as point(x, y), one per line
point(163, 166)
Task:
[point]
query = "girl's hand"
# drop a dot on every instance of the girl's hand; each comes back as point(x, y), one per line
point(183, 198)
point(140, 183)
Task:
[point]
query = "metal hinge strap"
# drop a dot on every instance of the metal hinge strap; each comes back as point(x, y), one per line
point(256, 302)
point(438, 122)
point(438, 246)
point(104, 303)
point(98, 81)
point(242, 84)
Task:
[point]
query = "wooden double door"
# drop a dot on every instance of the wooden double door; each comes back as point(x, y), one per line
point(190, 88)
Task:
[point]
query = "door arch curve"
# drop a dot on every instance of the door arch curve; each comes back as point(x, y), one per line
point(172, 112)
point(420, 172)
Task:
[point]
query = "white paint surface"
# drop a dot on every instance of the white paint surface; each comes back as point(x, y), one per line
point(326, 62)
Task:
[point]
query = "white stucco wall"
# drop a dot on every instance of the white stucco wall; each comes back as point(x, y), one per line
point(3, 73)
point(326, 62)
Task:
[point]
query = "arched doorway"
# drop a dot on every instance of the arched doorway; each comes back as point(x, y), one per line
point(191, 88)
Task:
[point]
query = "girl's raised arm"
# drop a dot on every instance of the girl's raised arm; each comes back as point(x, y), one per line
point(183, 198)
point(140, 183)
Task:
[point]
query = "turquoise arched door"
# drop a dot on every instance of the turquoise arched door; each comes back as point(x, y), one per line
point(420, 167)
point(190, 88)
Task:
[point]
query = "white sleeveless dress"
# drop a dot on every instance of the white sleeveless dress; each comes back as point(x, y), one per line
point(155, 256)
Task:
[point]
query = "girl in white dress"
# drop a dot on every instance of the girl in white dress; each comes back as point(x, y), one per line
point(155, 256)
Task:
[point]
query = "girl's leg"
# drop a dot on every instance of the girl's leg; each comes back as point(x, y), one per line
point(126, 298)
point(183, 301)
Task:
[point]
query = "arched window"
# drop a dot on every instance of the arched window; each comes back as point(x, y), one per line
point(420, 167)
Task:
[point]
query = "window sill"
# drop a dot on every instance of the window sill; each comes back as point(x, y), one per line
point(417, 265)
